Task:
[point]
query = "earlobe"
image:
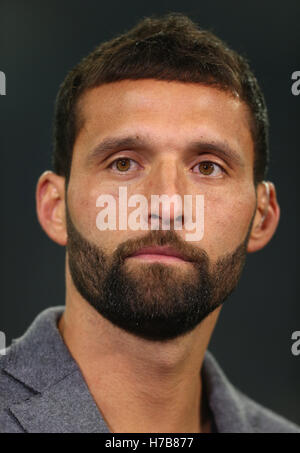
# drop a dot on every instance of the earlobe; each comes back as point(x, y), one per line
point(266, 217)
point(50, 206)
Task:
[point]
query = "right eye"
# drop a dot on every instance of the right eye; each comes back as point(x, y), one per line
point(122, 164)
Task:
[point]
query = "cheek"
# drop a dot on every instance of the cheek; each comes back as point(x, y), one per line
point(84, 212)
point(226, 222)
point(81, 206)
point(82, 197)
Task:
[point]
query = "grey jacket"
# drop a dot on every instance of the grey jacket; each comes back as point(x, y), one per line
point(43, 391)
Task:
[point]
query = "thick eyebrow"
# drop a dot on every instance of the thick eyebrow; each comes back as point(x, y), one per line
point(109, 144)
point(220, 148)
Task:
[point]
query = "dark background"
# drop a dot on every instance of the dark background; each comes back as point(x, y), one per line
point(39, 42)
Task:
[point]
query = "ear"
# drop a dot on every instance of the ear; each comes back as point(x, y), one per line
point(50, 206)
point(266, 217)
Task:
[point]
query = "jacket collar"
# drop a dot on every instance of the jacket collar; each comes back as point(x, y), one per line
point(226, 402)
point(40, 357)
point(61, 400)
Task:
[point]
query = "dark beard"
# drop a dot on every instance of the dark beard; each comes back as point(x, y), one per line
point(153, 301)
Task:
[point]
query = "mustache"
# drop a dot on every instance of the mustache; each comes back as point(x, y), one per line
point(161, 238)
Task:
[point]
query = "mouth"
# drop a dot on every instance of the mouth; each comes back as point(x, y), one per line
point(163, 254)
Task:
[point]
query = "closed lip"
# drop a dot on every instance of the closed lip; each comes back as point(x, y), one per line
point(168, 251)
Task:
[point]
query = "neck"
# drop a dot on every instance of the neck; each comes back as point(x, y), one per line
point(139, 385)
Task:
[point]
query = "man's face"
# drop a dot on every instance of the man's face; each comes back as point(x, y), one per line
point(170, 138)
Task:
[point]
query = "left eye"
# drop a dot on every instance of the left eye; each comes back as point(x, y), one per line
point(123, 164)
point(208, 168)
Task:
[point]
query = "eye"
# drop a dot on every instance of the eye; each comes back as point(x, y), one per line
point(208, 168)
point(123, 164)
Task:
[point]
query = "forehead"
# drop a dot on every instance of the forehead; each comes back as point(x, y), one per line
point(169, 112)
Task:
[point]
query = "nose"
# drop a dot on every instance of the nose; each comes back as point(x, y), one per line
point(165, 196)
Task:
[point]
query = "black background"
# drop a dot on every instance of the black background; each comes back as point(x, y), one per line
point(39, 42)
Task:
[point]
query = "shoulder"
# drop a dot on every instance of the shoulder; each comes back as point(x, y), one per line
point(264, 420)
point(30, 364)
point(235, 412)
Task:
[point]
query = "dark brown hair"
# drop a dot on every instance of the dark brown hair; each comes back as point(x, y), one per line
point(170, 48)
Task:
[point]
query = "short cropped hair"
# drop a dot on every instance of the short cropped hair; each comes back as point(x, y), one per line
point(171, 48)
